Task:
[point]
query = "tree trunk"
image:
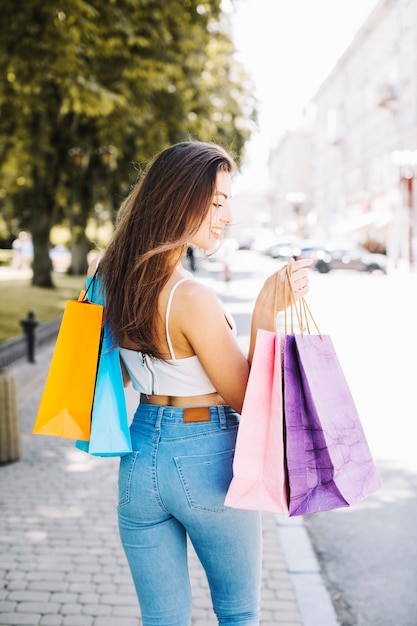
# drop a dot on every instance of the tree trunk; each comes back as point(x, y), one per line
point(79, 216)
point(79, 251)
point(41, 223)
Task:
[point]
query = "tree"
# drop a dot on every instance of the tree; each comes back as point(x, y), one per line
point(79, 77)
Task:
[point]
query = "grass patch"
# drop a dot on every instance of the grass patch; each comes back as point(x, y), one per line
point(17, 297)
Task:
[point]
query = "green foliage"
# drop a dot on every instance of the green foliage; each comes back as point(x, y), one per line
point(136, 75)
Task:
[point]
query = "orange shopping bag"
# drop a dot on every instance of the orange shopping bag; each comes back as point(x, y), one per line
point(67, 400)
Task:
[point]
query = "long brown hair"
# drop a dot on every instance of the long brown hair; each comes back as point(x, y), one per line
point(162, 213)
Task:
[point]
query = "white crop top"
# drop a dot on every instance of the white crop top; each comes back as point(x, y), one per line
point(173, 377)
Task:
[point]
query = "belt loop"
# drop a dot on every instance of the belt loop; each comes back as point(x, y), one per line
point(222, 416)
point(159, 417)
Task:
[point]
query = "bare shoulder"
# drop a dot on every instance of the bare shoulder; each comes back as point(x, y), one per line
point(194, 294)
point(196, 303)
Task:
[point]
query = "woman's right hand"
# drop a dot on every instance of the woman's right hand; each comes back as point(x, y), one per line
point(276, 295)
point(298, 274)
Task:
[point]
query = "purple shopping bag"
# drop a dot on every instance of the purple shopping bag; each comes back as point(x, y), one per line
point(259, 477)
point(328, 459)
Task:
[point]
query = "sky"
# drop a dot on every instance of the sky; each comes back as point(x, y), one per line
point(288, 47)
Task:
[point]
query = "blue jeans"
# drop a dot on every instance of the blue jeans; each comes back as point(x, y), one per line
point(173, 485)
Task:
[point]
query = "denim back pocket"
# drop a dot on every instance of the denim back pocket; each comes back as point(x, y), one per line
point(206, 479)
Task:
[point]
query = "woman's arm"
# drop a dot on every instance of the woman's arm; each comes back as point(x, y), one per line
point(201, 320)
point(276, 293)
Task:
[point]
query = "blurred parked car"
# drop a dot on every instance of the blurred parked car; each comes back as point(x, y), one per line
point(350, 259)
point(296, 249)
point(283, 248)
point(308, 249)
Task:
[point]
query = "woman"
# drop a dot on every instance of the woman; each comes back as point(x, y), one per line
point(178, 348)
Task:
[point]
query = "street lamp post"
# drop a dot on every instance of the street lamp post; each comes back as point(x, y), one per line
point(407, 161)
point(408, 180)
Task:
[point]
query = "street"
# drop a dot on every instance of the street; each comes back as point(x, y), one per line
point(367, 553)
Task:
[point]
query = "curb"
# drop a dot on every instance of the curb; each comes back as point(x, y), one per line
point(303, 568)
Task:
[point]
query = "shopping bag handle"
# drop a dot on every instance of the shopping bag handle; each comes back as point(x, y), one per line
point(301, 309)
point(84, 292)
point(293, 305)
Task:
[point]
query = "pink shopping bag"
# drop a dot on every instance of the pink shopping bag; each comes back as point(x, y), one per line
point(259, 477)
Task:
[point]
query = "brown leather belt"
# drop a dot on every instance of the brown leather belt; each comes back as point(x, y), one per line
point(197, 414)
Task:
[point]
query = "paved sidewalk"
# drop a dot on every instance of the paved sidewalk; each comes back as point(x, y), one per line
point(61, 562)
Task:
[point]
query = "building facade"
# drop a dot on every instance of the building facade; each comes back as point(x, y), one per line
point(361, 184)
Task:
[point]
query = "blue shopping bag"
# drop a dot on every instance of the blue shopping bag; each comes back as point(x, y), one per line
point(110, 434)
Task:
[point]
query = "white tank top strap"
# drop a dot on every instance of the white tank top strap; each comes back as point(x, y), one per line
point(171, 295)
